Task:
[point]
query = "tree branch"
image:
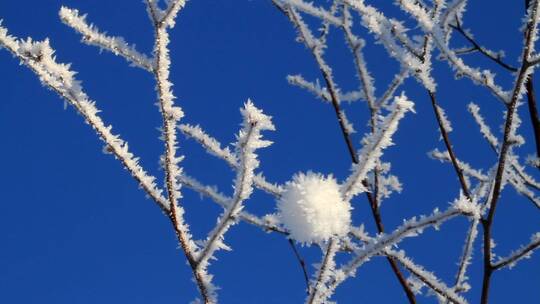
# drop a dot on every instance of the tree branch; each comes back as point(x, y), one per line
point(506, 146)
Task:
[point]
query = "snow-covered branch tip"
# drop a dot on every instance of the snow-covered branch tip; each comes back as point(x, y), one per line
point(474, 109)
point(92, 36)
point(374, 145)
point(249, 140)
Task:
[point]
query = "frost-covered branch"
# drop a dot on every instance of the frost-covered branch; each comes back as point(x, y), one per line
point(375, 144)
point(410, 228)
point(322, 93)
point(509, 134)
point(313, 88)
point(514, 172)
point(164, 18)
point(356, 44)
point(465, 167)
point(391, 34)
point(310, 9)
point(224, 201)
point(171, 115)
point(524, 252)
point(320, 291)
point(249, 140)
point(317, 49)
point(494, 56)
point(426, 277)
point(445, 128)
point(214, 147)
point(39, 57)
point(484, 128)
point(466, 257)
point(92, 36)
point(398, 80)
point(169, 15)
point(435, 30)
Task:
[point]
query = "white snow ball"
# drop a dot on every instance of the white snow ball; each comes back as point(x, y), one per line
point(312, 209)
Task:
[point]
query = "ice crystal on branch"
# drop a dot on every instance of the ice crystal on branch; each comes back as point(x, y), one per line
point(312, 209)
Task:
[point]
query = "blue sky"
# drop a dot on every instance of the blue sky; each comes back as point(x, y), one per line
point(75, 228)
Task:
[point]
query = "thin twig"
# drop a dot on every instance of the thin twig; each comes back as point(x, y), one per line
point(302, 264)
point(448, 144)
point(475, 46)
point(519, 254)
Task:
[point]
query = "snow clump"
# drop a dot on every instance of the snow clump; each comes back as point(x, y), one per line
point(312, 208)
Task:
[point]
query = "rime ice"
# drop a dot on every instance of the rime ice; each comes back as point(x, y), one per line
point(312, 209)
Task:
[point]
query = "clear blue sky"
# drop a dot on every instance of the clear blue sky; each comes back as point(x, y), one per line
point(76, 229)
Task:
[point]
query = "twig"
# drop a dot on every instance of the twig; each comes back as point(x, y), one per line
point(448, 145)
point(302, 264)
point(508, 129)
point(521, 253)
point(480, 49)
point(170, 116)
point(533, 112)
point(323, 276)
point(531, 97)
